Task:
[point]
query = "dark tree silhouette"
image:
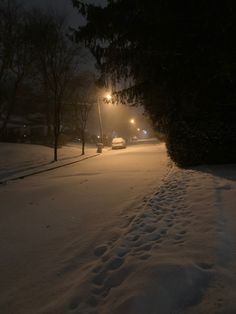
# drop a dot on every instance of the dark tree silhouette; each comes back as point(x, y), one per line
point(56, 59)
point(82, 111)
point(15, 57)
point(181, 59)
point(82, 94)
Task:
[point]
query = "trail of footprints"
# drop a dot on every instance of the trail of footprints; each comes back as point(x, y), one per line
point(164, 219)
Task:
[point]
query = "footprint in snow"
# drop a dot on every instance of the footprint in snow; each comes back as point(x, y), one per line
point(100, 250)
point(122, 251)
point(145, 256)
point(155, 236)
point(145, 247)
point(149, 228)
point(205, 266)
point(99, 278)
point(115, 263)
point(224, 187)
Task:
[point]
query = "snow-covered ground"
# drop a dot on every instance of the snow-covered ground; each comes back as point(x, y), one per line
point(122, 233)
point(177, 254)
point(16, 159)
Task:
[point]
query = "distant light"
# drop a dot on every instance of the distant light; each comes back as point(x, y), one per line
point(108, 97)
point(98, 136)
point(138, 129)
point(145, 132)
point(132, 121)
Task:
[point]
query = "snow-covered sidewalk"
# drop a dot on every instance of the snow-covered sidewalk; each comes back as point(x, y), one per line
point(20, 160)
point(176, 253)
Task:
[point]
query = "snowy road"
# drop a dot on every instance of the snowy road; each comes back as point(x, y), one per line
point(50, 223)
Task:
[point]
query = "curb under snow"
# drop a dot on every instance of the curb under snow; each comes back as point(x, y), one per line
point(27, 173)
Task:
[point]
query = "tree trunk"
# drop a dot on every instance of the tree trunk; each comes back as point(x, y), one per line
point(56, 126)
point(83, 144)
point(55, 146)
point(5, 123)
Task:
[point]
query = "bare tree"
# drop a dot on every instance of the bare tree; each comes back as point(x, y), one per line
point(82, 94)
point(57, 59)
point(82, 111)
point(15, 57)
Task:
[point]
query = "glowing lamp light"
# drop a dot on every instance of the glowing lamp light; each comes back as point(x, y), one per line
point(132, 121)
point(108, 97)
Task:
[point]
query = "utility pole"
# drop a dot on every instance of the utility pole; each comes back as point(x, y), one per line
point(108, 97)
point(100, 121)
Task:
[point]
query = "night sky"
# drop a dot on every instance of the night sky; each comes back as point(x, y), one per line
point(73, 17)
point(60, 6)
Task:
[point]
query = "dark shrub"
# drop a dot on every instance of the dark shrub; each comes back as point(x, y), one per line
point(210, 139)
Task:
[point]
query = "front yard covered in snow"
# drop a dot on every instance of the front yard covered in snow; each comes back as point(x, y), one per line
point(18, 158)
point(117, 235)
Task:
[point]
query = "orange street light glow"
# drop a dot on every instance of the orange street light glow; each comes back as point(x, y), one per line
point(108, 97)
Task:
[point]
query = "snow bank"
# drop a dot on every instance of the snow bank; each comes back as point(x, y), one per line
point(174, 254)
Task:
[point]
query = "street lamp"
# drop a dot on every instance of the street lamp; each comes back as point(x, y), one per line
point(100, 120)
point(108, 97)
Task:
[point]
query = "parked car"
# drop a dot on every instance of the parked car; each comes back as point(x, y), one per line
point(118, 142)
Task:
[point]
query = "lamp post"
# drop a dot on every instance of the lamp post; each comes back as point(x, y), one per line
point(100, 121)
point(132, 128)
point(108, 97)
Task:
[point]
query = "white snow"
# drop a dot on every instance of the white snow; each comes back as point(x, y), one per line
point(121, 233)
point(17, 159)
